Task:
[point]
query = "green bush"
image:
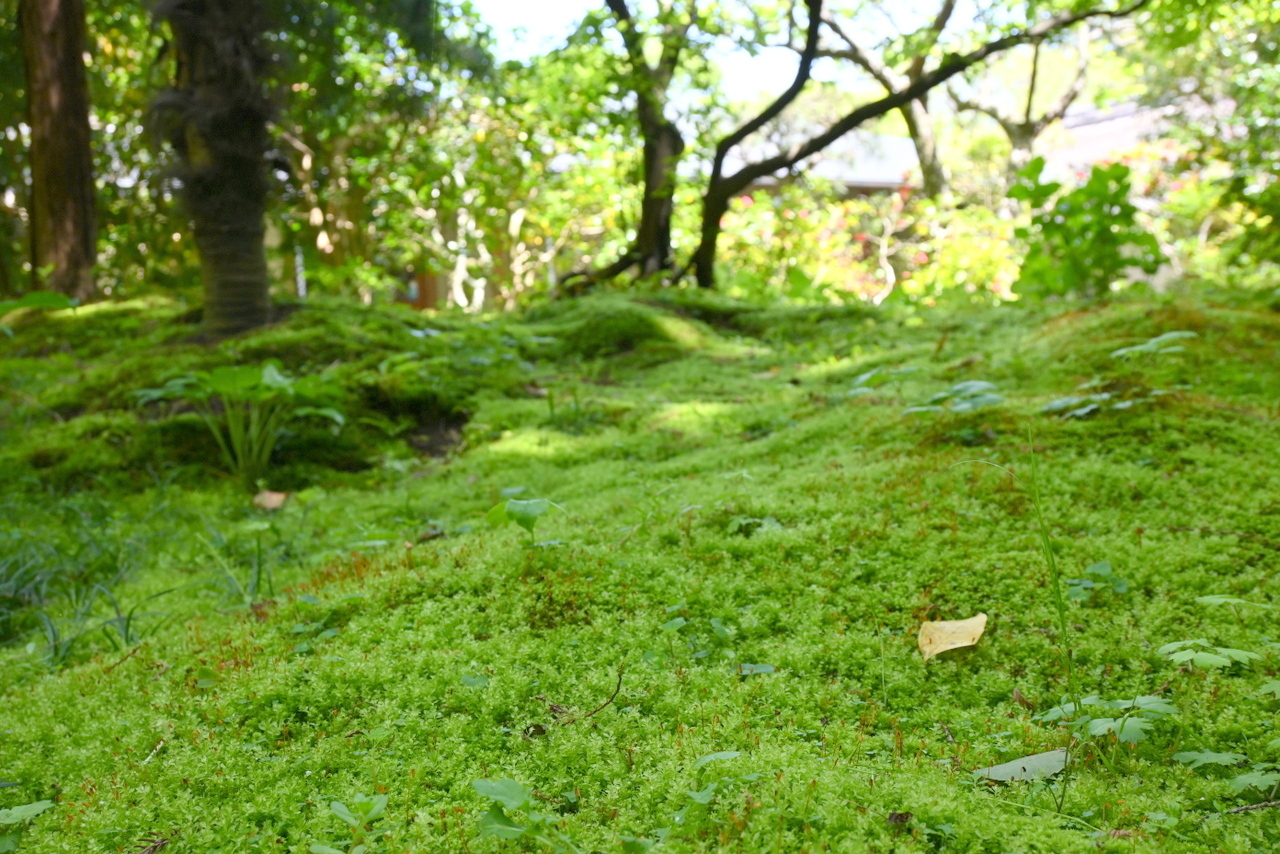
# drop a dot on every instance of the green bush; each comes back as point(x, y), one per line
point(1083, 242)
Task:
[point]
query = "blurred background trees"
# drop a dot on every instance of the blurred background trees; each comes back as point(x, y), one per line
point(406, 150)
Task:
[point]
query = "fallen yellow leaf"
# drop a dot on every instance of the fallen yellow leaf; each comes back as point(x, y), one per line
point(937, 636)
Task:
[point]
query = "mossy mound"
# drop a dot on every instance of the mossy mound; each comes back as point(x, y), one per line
point(608, 325)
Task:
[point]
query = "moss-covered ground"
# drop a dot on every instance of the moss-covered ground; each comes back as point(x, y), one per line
point(710, 645)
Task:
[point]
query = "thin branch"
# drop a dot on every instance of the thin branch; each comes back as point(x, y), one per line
point(1262, 806)
point(854, 53)
point(782, 101)
point(612, 697)
point(949, 68)
point(627, 29)
point(939, 24)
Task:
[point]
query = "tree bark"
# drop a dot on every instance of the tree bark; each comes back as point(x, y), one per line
point(215, 118)
point(233, 269)
point(663, 146)
point(63, 227)
point(934, 181)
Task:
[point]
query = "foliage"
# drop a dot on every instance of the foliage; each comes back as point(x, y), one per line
point(1081, 242)
point(961, 398)
point(247, 408)
point(14, 819)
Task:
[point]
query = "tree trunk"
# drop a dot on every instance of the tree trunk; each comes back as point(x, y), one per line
point(1021, 140)
point(215, 117)
point(663, 146)
point(233, 267)
point(934, 179)
point(714, 206)
point(63, 230)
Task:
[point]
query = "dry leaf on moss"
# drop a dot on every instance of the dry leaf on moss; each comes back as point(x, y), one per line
point(938, 636)
point(269, 500)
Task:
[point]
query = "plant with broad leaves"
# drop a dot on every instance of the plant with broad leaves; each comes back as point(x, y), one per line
point(1097, 577)
point(14, 820)
point(963, 397)
point(43, 300)
point(538, 826)
point(1128, 721)
point(1157, 346)
point(524, 512)
point(248, 407)
point(363, 811)
point(867, 383)
point(1083, 241)
point(1203, 655)
point(1198, 758)
point(1264, 776)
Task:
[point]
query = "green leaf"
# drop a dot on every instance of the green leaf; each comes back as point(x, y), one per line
point(1129, 730)
point(1272, 688)
point(1237, 654)
point(1151, 705)
point(1177, 645)
point(495, 822)
point(674, 625)
point(370, 807)
point(1261, 780)
point(525, 512)
point(339, 809)
point(497, 515)
point(26, 812)
point(37, 299)
point(749, 669)
point(716, 757)
point(1194, 759)
point(1218, 599)
point(317, 848)
point(509, 793)
point(1203, 660)
point(705, 795)
point(1034, 767)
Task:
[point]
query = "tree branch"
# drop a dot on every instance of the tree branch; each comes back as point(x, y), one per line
point(949, 68)
point(939, 24)
point(627, 29)
point(854, 53)
point(784, 100)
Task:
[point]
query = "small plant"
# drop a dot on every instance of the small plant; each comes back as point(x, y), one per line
point(360, 816)
point(538, 826)
point(247, 408)
point(14, 821)
point(963, 397)
point(524, 512)
point(1157, 346)
point(1127, 720)
point(569, 414)
point(1199, 653)
point(868, 382)
point(1097, 577)
point(259, 577)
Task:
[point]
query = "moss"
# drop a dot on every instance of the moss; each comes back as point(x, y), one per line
point(607, 325)
point(723, 507)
